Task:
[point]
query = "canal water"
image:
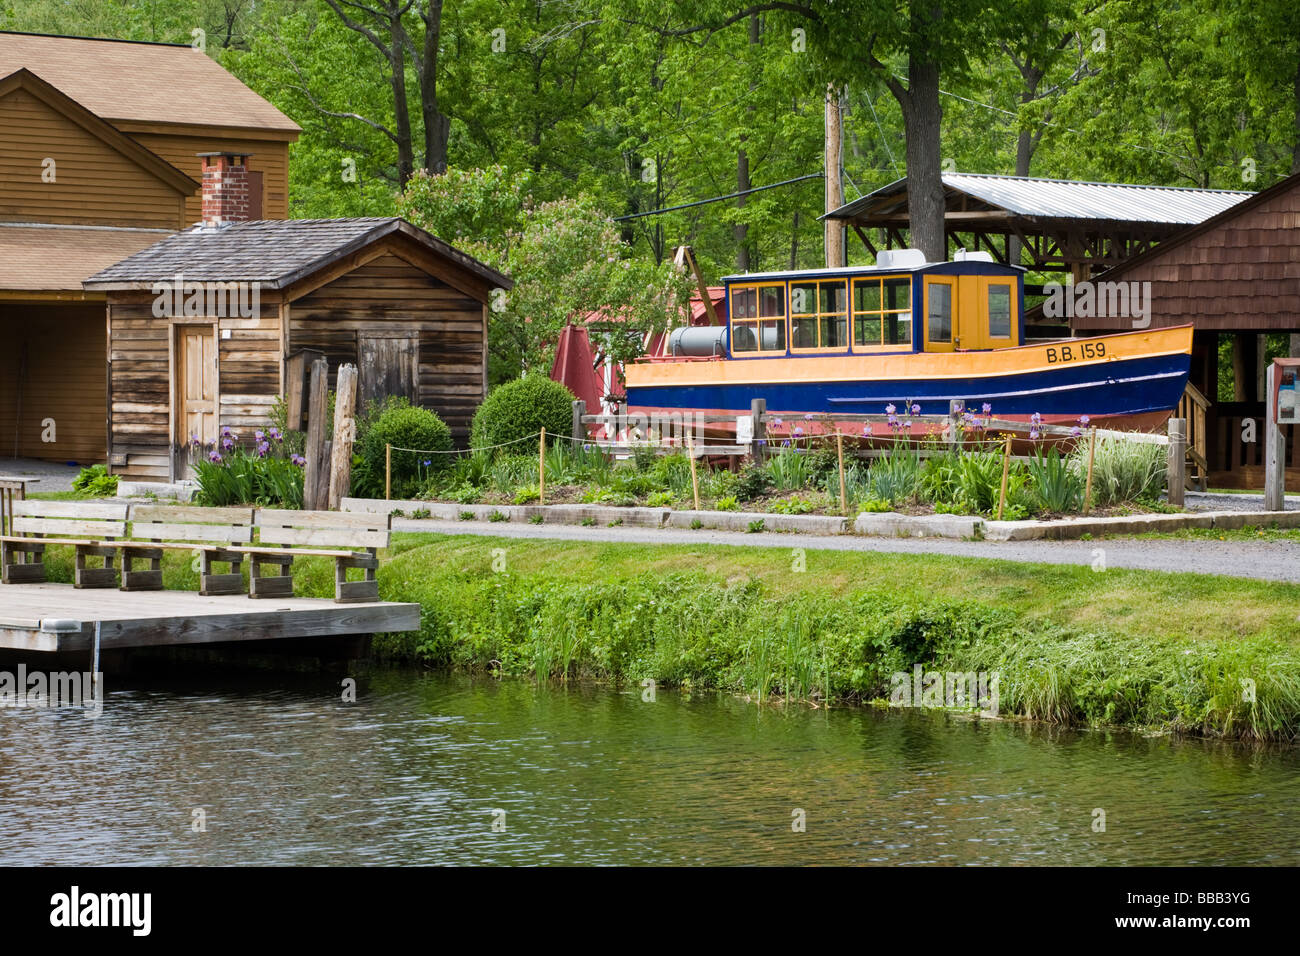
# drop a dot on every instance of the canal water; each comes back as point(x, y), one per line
point(439, 769)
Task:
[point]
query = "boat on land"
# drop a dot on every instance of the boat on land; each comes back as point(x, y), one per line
point(910, 334)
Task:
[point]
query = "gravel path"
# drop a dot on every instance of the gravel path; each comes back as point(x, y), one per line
point(53, 475)
point(1263, 560)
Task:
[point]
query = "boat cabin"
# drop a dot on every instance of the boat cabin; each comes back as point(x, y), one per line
point(969, 304)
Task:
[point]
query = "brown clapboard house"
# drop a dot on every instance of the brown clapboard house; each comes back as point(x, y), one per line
point(135, 175)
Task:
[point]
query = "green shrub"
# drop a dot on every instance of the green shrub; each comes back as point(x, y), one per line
point(404, 427)
point(789, 469)
point(791, 506)
point(896, 477)
point(754, 482)
point(235, 477)
point(1056, 482)
point(95, 482)
point(727, 503)
point(1123, 470)
point(660, 499)
point(521, 408)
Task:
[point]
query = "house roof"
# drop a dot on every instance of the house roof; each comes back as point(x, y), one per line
point(1059, 199)
point(273, 252)
point(44, 258)
point(123, 81)
point(56, 99)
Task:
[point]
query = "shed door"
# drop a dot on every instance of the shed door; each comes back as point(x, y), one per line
point(388, 364)
point(196, 387)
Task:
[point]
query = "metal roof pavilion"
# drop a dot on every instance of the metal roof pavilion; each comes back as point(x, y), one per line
point(1060, 224)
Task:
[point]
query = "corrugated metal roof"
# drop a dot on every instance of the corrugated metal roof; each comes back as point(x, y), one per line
point(1066, 199)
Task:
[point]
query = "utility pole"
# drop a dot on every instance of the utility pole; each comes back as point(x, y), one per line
point(833, 230)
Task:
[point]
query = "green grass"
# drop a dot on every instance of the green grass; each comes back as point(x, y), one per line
point(1122, 647)
point(1246, 533)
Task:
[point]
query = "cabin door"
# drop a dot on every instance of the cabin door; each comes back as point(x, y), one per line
point(941, 331)
point(388, 363)
point(196, 385)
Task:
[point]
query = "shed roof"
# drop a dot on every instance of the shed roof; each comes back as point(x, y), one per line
point(125, 81)
point(272, 252)
point(45, 258)
point(1063, 199)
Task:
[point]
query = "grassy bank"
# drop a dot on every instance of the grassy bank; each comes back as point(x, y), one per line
point(1120, 647)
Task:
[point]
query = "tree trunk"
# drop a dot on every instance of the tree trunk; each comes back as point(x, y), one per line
point(1295, 150)
point(401, 108)
point(921, 119)
point(740, 232)
point(437, 127)
point(833, 229)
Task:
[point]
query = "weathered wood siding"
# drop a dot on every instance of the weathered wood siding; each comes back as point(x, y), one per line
point(270, 157)
point(93, 183)
point(52, 369)
point(141, 389)
point(1240, 274)
point(389, 293)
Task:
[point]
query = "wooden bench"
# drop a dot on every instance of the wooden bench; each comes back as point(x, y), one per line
point(88, 527)
point(209, 531)
point(351, 539)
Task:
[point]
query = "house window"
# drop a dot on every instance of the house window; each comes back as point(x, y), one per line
point(818, 319)
point(758, 318)
point(882, 311)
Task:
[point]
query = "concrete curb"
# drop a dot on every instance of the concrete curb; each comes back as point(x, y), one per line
point(894, 525)
point(180, 490)
point(741, 520)
point(1065, 529)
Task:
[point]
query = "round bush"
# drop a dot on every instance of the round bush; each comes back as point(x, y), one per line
point(404, 426)
point(521, 408)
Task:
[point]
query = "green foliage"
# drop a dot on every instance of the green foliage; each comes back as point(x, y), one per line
point(756, 526)
point(896, 477)
point(95, 482)
point(1055, 482)
point(789, 468)
point(399, 424)
point(791, 506)
point(519, 409)
point(726, 503)
point(1122, 470)
point(659, 499)
point(241, 478)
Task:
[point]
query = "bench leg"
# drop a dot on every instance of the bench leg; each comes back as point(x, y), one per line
point(150, 580)
point(22, 563)
point(356, 592)
point(270, 586)
point(211, 583)
point(87, 577)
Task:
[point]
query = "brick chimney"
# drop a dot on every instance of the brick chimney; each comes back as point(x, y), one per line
point(225, 188)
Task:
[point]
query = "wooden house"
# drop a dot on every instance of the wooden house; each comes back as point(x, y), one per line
point(201, 326)
point(1234, 274)
point(100, 144)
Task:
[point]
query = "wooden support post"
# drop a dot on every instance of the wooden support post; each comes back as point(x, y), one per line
point(345, 433)
point(758, 413)
point(541, 468)
point(1175, 473)
point(314, 480)
point(695, 482)
point(1274, 447)
point(1092, 456)
point(579, 432)
point(1006, 471)
point(839, 450)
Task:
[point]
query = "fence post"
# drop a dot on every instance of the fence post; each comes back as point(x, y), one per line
point(757, 414)
point(1274, 448)
point(314, 475)
point(388, 471)
point(345, 433)
point(1006, 470)
point(695, 482)
point(541, 468)
point(1092, 456)
point(1176, 471)
point(839, 451)
point(955, 408)
point(579, 409)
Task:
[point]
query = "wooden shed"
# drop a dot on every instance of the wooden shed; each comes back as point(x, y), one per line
point(202, 324)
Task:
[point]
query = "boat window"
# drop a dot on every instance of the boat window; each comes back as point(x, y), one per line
point(882, 311)
point(939, 320)
point(999, 311)
point(758, 318)
point(818, 315)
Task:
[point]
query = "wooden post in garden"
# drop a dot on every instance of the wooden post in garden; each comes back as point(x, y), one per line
point(314, 480)
point(541, 468)
point(579, 432)
point(695, 482)
point(1274, 446)
point(1092, 456)
point(1176, 466)
point(345, 433)
point(839, 450)
point(388, 472)
point(758, 414)
point(1006, 470)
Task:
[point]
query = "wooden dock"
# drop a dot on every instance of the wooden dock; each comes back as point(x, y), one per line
point(58, 618)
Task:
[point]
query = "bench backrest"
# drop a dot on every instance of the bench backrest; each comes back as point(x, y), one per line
point(152, 522)
point(69, 519)
point(354, 531)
